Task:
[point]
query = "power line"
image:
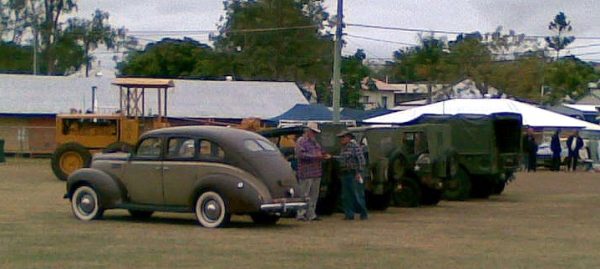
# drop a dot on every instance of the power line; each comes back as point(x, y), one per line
point(360, 25)
point(186, 32)
point(588, 53)
point(402, 29)
point(380, 40)
point(584, 46)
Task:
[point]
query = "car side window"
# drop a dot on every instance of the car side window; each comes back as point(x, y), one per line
point(149, 148)
point(210, 151)
point(181, 148)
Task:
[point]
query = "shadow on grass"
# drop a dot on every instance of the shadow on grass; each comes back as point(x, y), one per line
point(192, 222)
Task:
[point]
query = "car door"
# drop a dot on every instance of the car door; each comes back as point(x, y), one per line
point(187, 160)
point(144, 172)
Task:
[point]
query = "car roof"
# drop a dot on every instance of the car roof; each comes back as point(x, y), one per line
point(216, 133)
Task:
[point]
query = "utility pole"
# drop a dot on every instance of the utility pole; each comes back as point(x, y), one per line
point(337, 62)
point(35, 41)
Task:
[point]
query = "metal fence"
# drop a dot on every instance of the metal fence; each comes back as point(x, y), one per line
point(28, 139)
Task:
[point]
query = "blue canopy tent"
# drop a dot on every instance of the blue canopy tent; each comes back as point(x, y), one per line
point(360, 115)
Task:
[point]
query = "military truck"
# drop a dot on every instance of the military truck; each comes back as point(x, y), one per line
point(285, 139)
point(487, 149)
point(407, 165)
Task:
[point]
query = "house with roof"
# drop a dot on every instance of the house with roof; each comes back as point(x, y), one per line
point(381, 94)
point(29, 104)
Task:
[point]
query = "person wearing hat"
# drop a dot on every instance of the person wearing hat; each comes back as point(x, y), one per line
point(352, 164)
point(309, 154)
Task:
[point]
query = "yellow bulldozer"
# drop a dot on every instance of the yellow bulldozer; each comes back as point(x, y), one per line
point(79, 135)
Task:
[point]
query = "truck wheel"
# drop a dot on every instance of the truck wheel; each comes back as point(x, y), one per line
point(139, 214)
point(211, 210)
point(85, 204)
point(378, 201)
point(69, 157)
point(264, 219)
point(430, 196)
point(118, 147)
point(482, 187)
point(329, 197)
point(458, 188)
point(499, 187)
point(407, 193)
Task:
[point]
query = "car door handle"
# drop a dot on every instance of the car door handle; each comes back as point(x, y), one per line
point(165, 168)
point(157, 168)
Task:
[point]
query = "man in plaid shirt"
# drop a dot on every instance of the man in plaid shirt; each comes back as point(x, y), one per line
point(309, 155)
point(352, 165)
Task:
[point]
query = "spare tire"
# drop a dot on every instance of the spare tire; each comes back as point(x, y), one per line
point(118, 147)
point(69, 157)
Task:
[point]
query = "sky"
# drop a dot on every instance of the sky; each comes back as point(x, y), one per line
point(530, 17)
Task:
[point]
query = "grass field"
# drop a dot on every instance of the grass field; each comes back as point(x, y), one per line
point(543, 220)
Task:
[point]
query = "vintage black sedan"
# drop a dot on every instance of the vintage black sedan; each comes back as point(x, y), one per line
point(212, 171)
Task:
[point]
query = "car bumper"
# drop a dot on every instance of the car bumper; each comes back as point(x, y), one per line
point(284, 206)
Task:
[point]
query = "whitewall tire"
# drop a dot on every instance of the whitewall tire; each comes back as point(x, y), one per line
point(211, 210)
point(85, 204)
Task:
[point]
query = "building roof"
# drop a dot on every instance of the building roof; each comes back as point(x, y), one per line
point(592, 98)
point(584, 108)
point(401, 87)
point(532, 116)
point(143, 82)
point(26, 94)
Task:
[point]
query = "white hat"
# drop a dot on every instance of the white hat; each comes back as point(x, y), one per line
point(313, 126)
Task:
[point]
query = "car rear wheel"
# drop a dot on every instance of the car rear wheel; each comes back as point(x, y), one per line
point(211, 210)
point(85, 204)
point(264, 219)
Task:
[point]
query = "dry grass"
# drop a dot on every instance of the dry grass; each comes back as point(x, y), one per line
point(543, 220)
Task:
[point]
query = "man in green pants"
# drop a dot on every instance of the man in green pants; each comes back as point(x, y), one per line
point(352, 164)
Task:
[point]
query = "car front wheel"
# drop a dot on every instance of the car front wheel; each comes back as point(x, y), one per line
point(211, 210)
point(85, 204)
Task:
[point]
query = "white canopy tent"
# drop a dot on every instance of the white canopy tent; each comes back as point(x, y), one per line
point(532, 116)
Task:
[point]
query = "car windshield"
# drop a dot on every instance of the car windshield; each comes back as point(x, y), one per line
point(258, 145)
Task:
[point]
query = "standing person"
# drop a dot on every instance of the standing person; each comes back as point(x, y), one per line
point(309, 155)
point(574, 144)
point(556, 150)
point(352, 165)
point(530, 147)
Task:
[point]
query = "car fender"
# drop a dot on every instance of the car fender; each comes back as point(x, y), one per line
point(110, 191)
point(243, 194)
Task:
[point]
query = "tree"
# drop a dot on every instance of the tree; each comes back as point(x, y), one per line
point(429, 60)
point(289, 44)
point(91, 34)
point(353, 72)
point(49, 29)
point(560, 26)
point(469, 57)
point(568, 77)
point(509, 46)
point(172, 58)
